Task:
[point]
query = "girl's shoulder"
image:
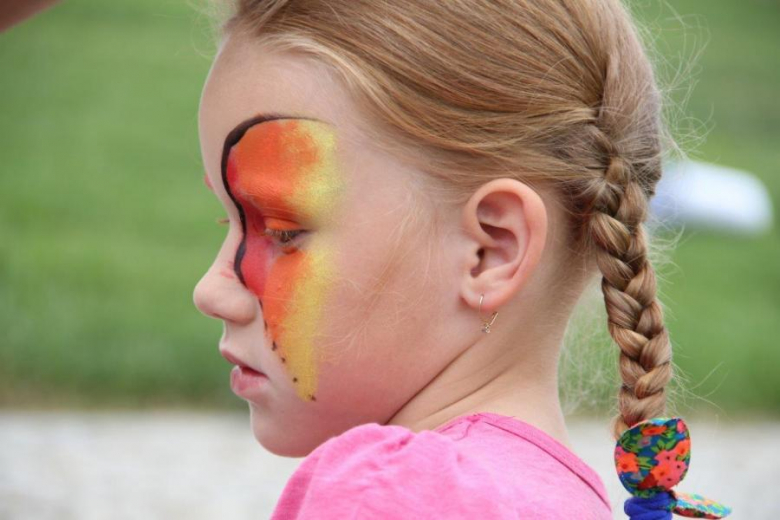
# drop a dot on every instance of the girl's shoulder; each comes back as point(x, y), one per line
point(388, 471)
point(476, 466)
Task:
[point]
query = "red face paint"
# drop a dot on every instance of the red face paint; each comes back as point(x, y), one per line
point(281, 175)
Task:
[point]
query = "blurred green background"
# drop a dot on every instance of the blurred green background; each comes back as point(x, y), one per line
point(106, 226)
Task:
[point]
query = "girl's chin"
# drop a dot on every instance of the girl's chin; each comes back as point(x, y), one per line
point(274, 437)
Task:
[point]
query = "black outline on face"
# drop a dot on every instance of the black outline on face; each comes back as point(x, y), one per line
point(231, 140)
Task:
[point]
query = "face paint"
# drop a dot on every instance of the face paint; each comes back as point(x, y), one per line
point(282, 175)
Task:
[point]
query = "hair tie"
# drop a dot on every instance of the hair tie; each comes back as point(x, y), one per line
point(651, 458)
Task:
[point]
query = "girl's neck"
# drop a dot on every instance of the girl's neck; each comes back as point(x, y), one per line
point(475, 382)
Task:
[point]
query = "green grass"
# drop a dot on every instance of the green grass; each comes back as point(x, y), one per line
point(722, 295)
point(105, 222)
point(106, 226)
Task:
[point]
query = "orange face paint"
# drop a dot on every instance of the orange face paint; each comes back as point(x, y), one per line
point(282, 175)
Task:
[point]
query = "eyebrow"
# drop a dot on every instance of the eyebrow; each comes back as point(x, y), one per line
point(240, 129)
point(235, 135)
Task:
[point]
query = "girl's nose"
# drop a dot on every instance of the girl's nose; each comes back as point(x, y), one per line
point(224, 297)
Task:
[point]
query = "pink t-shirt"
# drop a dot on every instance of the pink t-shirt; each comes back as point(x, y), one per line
point(481, 465)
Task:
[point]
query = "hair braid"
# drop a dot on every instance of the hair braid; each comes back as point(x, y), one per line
point(634, 316)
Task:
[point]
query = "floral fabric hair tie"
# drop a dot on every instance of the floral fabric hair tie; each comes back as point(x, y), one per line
point(652, 457)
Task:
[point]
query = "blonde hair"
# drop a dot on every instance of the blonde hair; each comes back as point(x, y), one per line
point(558, 93)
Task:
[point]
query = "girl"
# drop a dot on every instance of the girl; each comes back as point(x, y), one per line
point(417, 194)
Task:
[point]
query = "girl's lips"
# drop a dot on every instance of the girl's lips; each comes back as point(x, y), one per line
point(235, 360)
point(244, 380)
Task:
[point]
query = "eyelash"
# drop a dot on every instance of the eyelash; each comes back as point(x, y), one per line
point(285, 236)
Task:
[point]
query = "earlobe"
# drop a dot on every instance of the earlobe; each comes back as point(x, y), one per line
point(506, 224)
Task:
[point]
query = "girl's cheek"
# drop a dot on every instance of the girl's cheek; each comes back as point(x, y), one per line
point(292, 290)
point(293, 305)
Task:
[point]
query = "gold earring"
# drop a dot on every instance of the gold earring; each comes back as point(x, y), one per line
point(486, 325)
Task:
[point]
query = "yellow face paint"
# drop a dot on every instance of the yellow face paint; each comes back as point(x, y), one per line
point(282, 174)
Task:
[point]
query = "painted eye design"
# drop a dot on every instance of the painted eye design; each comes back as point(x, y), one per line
point(284, 237)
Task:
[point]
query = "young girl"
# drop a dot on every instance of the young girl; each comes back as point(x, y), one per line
point(417, 194)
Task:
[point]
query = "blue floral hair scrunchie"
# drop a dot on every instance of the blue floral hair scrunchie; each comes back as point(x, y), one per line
point(651, 458)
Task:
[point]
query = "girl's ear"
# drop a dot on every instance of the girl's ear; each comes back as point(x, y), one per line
point(506, 226)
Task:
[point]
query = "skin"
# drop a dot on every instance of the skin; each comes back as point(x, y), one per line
point(13, 12)
point(395, 334)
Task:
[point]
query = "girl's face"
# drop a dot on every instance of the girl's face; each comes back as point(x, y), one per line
point(323, 282)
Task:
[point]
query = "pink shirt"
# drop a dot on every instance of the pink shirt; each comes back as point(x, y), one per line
point(482, 465)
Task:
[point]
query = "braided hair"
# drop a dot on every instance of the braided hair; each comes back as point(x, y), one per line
point(616, 211)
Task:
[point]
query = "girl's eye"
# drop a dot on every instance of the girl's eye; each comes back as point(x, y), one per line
point(284, 237)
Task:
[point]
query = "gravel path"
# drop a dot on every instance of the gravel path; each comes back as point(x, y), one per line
point(149, 465)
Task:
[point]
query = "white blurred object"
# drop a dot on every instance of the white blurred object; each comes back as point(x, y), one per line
point(703, 195)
